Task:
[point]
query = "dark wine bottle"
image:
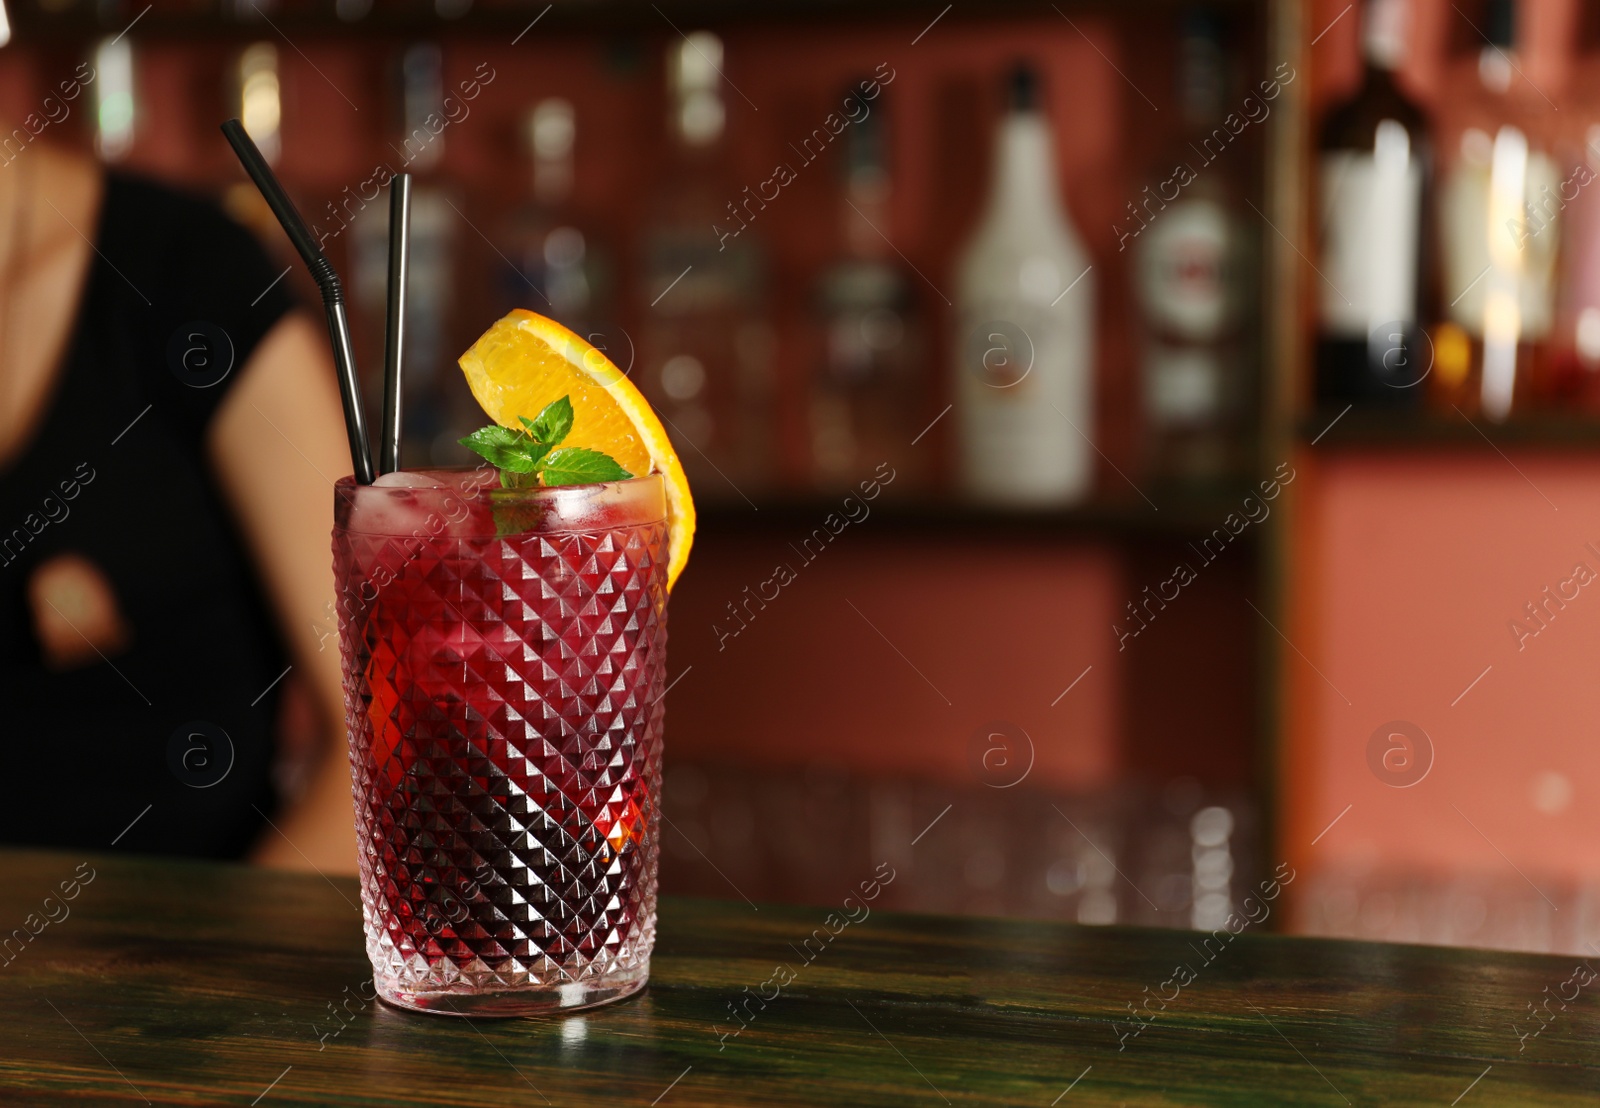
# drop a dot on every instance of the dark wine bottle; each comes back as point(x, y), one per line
point(1375, 156)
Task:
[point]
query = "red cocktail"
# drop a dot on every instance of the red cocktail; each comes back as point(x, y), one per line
point(504, 653)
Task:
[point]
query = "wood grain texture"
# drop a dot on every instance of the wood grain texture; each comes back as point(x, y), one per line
point(191, 983)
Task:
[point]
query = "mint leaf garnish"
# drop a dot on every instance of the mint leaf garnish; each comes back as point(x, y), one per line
point(577, 465)
point(528, 458)
point(551, 425)
point(507, 449)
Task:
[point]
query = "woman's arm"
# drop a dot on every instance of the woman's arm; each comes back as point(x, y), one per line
point(277, 444)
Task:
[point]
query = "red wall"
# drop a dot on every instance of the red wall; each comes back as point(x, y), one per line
point(1421, 564)
point(998, 632)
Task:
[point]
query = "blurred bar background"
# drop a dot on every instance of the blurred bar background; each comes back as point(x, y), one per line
point(1003, 677)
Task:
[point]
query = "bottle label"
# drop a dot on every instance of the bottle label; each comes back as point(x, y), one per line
point(1371, 228)
point(1185, 273)
point(1015, 356)
point(1025, 399)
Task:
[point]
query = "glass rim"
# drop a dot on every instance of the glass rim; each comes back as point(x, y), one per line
point(630, 502)
point(348, 482)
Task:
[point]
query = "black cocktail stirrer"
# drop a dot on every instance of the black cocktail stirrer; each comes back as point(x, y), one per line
point(395, 325)
point(322, 271)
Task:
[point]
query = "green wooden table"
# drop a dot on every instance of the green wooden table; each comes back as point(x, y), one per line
point(187, 983)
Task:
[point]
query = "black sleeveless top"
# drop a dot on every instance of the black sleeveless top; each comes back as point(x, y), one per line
point(166, 745)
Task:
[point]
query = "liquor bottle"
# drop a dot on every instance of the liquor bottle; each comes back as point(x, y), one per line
point(1575, 338)
point(115, 104)
point(1499, 233)
point(1191, 265)
point(558, 268)
point(706, 348)
point(254, 97)
point(867, 391)
point(1375, 151)
point(260, 103)
point(1024, 349)
point(437, 408)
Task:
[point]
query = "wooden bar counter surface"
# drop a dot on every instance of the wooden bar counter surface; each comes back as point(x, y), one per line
point(190, 983)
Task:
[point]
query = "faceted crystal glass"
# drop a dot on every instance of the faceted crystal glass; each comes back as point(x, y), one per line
point(504, 652)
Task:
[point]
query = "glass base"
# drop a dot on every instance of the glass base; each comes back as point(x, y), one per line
point(529, 1000)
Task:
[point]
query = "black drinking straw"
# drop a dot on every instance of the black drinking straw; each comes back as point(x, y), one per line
point(327, 280)
point(395, 325)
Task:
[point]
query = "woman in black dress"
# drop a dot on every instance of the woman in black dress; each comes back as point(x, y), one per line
point(169, 432)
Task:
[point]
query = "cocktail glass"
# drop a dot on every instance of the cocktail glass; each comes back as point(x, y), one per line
point(504, 653)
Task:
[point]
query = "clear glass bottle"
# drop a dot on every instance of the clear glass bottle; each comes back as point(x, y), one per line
point(1374, 153)
point(1575, 337)
point(560, 267)
point(1025, 342)
point(1499, 268)
point(1191, 265)
point(260, 102)
point(438, 409)
point(706, 348)
point(868, 396)
point(115, 96)
point(254, 98)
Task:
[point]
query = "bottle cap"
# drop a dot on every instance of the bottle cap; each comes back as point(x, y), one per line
point(1200, 66)
point(1022, 88)
point(1500, 23)
point(1495, 67)
point(1202, 24)
point(864, 153)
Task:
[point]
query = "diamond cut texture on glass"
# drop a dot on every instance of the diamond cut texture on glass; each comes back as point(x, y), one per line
point(503, 701)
